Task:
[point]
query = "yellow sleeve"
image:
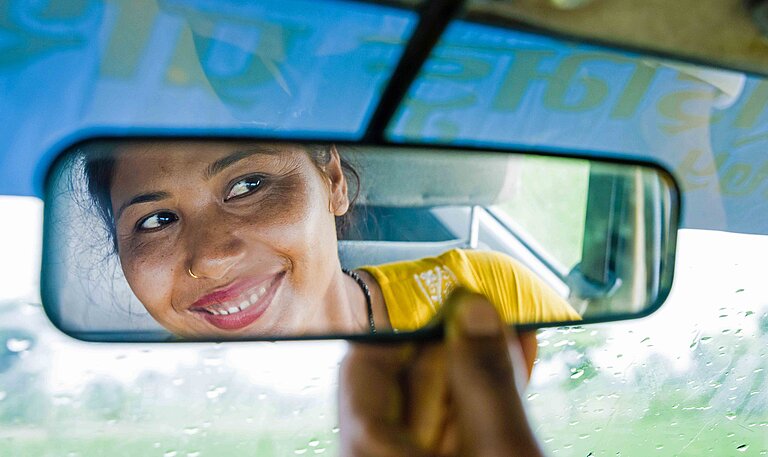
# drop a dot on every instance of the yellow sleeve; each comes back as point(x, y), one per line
point(518, 293)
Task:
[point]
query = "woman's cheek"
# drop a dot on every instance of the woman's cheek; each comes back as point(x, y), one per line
point(150, 275)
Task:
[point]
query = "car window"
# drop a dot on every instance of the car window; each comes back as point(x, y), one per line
point(549, 208)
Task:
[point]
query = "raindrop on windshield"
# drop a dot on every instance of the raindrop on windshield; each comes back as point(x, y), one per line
point(215, 392)
point(170, 454)
point(742, 448)
point(300, 451)
point(17, 344)
point(314, 443)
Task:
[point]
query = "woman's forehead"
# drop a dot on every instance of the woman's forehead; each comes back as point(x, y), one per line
point(141, 160)
point(193, 151)
point(161, 164)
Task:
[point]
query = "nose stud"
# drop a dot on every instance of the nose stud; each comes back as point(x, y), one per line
point(189, 270)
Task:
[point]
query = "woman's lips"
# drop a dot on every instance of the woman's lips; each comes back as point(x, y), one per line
point(240, 305)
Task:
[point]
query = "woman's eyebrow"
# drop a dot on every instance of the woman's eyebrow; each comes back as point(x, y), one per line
point(142, 198)
point(219, 165)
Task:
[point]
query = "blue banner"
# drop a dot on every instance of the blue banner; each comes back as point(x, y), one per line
point(299, 68)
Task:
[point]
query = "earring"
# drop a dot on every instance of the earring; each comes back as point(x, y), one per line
point(189, 270)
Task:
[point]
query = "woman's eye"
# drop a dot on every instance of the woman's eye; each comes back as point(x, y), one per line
point(157, 221)
point(244, 187)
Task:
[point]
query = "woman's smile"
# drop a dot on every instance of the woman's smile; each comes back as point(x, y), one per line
point(240, 304)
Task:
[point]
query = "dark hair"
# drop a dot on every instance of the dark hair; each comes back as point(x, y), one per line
point(98, 158)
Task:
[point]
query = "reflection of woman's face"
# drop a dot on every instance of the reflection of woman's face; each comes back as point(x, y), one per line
point(225, 239)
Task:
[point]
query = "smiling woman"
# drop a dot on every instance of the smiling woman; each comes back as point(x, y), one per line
point(238, 239)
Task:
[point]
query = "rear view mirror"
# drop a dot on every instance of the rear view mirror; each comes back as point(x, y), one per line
point(156, 239)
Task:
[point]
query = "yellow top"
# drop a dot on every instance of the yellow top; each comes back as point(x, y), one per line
point(414, 290)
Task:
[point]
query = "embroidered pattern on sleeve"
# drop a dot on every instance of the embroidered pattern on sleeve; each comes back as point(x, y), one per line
point(436, 283)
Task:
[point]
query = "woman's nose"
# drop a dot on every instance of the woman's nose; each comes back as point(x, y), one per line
point(214, 251)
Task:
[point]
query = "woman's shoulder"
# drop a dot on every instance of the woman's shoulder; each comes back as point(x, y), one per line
point(483, 259)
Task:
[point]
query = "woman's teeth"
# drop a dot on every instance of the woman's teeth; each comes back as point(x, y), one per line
point(242, 306)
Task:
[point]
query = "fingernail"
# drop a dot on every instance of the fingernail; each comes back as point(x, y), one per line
point(477, 317)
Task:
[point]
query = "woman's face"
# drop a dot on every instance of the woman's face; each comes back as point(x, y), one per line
point(228, 239)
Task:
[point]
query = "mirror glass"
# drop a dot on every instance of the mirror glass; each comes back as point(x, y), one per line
point(155, 239)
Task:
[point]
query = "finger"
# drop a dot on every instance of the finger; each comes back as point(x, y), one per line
point(483, 381)
point(371, 403)
point(427, 394)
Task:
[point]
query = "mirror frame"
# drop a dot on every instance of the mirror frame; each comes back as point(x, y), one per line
point(429, 332)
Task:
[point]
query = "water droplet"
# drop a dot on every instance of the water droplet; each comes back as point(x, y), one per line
point(314, 443)
point(335, 430)
point(730, 416)
point(17, 344)
point(739, 290)
point(319, 450)
point(577, 374)
point(215, 392)
point(300, 451)
point(170, 454)
point(659, 447)
point(533, 396)
point(193, 454)
point(645, 339)
point(742, 448)
point(3, 395)
point(584, 436)
point(191, 430)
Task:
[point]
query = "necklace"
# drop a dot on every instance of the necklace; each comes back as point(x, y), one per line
point(366, 292)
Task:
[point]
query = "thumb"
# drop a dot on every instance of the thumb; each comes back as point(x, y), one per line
point(483, 379)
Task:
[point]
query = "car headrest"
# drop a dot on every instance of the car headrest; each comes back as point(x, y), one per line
point(429, 177)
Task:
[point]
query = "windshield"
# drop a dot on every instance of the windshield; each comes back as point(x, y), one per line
point(688, 380)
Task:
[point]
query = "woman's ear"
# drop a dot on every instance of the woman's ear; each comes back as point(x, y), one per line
point(339, 200)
